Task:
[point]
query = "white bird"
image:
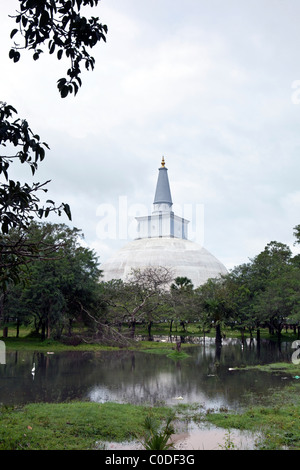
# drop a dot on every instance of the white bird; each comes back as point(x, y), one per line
point(33, 369)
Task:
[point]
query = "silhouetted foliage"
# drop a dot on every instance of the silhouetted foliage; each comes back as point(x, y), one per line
point(59, 25)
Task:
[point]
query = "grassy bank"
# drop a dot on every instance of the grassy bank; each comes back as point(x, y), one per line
point(27, 341)
point(71, 426)
point(277, 420)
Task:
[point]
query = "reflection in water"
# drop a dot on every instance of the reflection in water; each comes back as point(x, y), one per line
point(137, 377)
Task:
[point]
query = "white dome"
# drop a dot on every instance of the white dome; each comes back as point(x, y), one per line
point(183, 257)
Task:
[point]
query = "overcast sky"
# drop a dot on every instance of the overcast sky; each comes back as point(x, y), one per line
point(213, 85)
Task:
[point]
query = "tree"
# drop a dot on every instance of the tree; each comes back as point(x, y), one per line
point(279, 302)
point(59, 25)
point(270, 263)
point(264, 291)
point(182, 283)
point(182, 300)
point(59, 289)
point(215, 301)
point(20, 203)
point(139, 298)
point(296, 234)
point(243, 288)
point(147, 286)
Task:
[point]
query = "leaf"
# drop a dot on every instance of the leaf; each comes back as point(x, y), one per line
point(67, 211)
point(24, 21)
point(14, 31)
point(76, 87)
point(17, 56)
point(51, 47)
point(64, 91)
point(61, 82)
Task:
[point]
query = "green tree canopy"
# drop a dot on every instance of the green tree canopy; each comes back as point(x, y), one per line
point(215, 301)
point(58, 288)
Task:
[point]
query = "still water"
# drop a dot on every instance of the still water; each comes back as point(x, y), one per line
point(138, 377)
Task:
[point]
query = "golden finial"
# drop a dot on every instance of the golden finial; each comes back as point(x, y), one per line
point(163, 162)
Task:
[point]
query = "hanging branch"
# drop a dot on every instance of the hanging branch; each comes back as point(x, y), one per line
point(59, 24)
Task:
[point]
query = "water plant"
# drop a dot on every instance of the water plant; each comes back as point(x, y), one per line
point(157, 436)
point(228, 442)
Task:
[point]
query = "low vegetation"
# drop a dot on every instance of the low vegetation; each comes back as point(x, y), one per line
point(71, 426)
point(277, 420)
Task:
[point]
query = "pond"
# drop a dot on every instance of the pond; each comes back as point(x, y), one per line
point(206, 377)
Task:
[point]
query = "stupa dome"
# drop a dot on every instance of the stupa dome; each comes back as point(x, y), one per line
point(163, 242)
point(183, 257)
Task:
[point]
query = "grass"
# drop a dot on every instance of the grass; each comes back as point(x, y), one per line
point(176, 355)
point(164, 349)
point(36, 344)
point(277, 420)
point(71, 426)
point(278, 368)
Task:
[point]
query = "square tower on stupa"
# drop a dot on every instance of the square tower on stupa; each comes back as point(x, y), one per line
point(162, 222)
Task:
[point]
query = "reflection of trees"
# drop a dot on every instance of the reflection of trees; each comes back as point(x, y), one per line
point(139, 377)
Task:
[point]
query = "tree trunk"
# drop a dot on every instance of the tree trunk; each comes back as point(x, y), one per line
point(18, 328)
point(2, 297)
point(149, 329)
point(243, 334)
point(43, 332)
point(48, 329)
point(70, 327)
point(258, 335)
point(218, 334)
point(133, 323)
point(279, 328)
point(49, 320)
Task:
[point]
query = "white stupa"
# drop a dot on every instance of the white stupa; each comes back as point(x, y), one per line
point(163, 241)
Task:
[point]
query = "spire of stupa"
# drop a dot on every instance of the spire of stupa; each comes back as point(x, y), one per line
point(163, 198)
